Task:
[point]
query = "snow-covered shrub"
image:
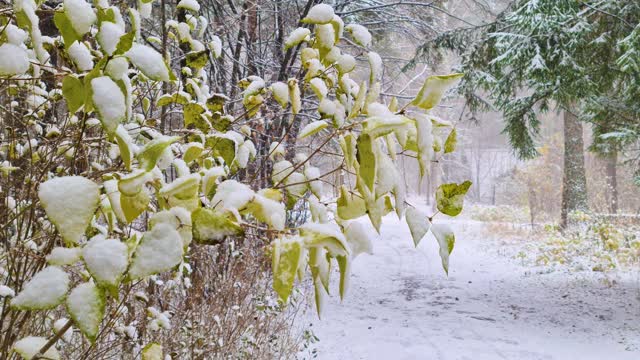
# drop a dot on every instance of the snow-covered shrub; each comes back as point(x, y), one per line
point(107, 209)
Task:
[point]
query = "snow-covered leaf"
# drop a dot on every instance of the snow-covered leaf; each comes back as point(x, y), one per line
point(312, 128)
point(109, 101)
point(86, 304)
point(70, 203)
point(13, 60)
point(326, 235)
point(150, 62)
point(319, 14)
point(106, 260)
point(45, 290)
point(211, 226)
point(231, 194)
point(433, 89)
point(418, 223)
point(296, 37)
point(268, 211)
point(280, 92)
point(446, 239)
point(359, 34)
point(64, 256)
point(159, 250)
point(350, 206)
point(29, 346)
point(359, 238)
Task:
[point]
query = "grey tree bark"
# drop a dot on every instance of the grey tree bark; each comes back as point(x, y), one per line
point(574, 184)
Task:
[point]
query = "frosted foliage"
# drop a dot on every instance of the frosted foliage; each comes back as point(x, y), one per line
point(160, 249)
point(15, 35)
point(360, 34)
point(70, 202)
point(80, 15)
point(296, 37)
point(13, 60)
point(149, 61)
point(117, 67)
point(320, 14)
point(110, 102)
point(45, 290)
point(189, 5)
point(231, 194)
point(64, 256)
point(86, 306)
point(359, 238)
point(81, 56)
point(29, 347)
point(313, 128)
point(280, 92)
point(106, 259)
point(109, 36)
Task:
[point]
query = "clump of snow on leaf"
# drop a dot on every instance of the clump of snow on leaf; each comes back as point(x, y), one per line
point(64, 256)
point(231, 194)
point(360, 34)
point(106, 259)
point(109, 36)
point(149, 61)
point(86, 304)
point(13, 60)
point(110, 102)
point(70, 202)
point(81, 56)
point(45, 290)
point(160, 249)
point(28, 348)
point(319, 14)
point(80, 15)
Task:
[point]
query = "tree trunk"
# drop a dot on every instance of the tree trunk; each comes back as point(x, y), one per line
point(574, 184)
point(612, 181)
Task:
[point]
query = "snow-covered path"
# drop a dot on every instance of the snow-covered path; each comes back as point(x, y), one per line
point(402, 306)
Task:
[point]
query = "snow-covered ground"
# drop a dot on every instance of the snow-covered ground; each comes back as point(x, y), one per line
point(402, 306)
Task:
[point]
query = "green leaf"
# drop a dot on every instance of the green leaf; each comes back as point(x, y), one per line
point(350, 206)
point(327, 236)
point(86, 304)
point(446, 240)
point(366, 160)
point(152, 351)
point(344, 265)
point(451, 142)
point(193, 117)
point(216, 102)
point(418, 223)
point(286, 257)
point(125, 43)
point(433, 89)
point(320, 266)
point(223, 147)
point(65, 27)
point(450, 197)
point(73, 92)
point(133, 206)
point(197, 59)
point(211, 227)
point(123, 140)
point(152, 151)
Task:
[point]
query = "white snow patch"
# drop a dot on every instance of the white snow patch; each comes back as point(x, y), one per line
point(45, 290)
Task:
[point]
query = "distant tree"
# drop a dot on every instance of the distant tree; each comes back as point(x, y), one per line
point(576, 55)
